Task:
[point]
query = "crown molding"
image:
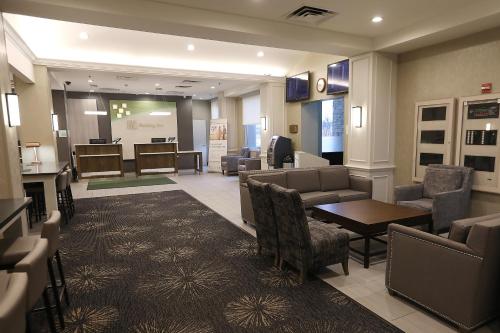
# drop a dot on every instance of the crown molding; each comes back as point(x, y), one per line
point(100, 67)
point(14, 37)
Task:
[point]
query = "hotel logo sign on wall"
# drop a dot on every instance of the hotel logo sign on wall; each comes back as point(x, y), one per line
point(218, 144)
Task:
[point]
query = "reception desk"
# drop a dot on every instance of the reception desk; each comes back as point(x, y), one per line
point(155, 158)
point(100, 160)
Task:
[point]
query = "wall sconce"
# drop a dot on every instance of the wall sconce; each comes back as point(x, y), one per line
point(357, 116)
point(263, 123)
point(13, 110)
point(55, 122)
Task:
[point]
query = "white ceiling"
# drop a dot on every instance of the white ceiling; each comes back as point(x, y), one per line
point(59, 40)
point(407, 24)
point(354, 16)
point(119, 82)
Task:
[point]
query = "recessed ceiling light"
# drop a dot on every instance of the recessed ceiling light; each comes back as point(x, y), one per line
point(91, 90)
point(377, 19)
point(194, 95)
point(190, 47)
point(90, 80)
point(146, 93)
point(83, 35)
point(260, 54)
point(157, 84)
point(212, 87)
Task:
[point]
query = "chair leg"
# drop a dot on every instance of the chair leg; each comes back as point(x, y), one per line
point(61, 276)
point(345, 267)
point(28, 322)
point(276, 258)
point(303, 275)
point(281, 264)
point(56, 292)
point(48, 311)
point(259, 250)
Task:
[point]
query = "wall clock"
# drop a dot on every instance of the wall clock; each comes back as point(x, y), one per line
point(321, 85)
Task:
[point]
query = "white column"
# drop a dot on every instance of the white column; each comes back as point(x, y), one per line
point(370, 148)
point(272, 106)
point(227, 110)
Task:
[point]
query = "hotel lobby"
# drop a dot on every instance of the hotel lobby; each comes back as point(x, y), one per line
point(253, 166)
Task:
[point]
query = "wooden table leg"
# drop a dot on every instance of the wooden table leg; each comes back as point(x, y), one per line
point(366, 257)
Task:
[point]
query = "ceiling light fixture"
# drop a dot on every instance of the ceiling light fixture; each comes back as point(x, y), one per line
point(160, 113)
point(96, 113)
point(260, 54)
point(90, 80)
point(92, 90)
point(212, 87)
point(146, 93)
point(377, 19)
point(83, 35)
point(157, 84)
point(190, 47)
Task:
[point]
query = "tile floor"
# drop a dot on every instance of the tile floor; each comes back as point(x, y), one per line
point(366, 286)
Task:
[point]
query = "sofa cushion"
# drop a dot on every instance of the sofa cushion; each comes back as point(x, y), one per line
point(278, 178)
point(311, 199)
point(441, 180)
point(334, 178)
point(424, 203)
point(305, 180)
point(460, 229)
point(351, 195)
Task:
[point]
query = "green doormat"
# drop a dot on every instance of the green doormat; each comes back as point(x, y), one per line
point(103, 184)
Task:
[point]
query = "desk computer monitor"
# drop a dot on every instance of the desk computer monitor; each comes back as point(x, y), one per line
point(97, 141)
point(158, 140)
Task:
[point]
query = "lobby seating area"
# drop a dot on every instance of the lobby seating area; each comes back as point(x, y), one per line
point(316, 186)
point(255, 166)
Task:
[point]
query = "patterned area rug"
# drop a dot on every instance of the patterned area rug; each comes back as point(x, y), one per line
point(128, 181)
point(164, 262)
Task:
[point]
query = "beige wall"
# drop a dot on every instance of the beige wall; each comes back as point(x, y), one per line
point(316, 64)
point(453, 69)
point(35, 103)
point(10, 174)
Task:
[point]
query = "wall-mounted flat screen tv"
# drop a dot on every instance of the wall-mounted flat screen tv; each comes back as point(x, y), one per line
point(338, 77)
point(297, 87)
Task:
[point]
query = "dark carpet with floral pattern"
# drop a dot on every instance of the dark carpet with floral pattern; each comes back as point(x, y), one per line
point(164, 262)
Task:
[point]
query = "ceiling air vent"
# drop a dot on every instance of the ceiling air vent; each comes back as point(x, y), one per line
point(126, 78)
point(173, 92)
point(109, 89)
point(190, 81)
point(183, 86)
point(310, 15)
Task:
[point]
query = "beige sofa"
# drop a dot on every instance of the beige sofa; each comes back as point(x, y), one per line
point(316, 186)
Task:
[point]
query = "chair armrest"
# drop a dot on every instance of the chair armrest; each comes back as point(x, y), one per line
point(448, 207)
point(440, 274)
point(408, 192)
point(361, 184)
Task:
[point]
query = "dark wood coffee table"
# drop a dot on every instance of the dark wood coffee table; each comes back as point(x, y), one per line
point(370, 218)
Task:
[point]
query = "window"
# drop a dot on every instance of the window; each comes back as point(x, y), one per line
point(252, 135)
point(214, 109)
point(251, 121)
point(332, 125)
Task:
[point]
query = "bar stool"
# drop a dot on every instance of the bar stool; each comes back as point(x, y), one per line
point(37, 208)
point(14, 250)
point(13, 299)
point(62, 197)
point(35, 265)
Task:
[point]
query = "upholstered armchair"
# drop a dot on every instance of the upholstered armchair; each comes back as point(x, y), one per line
point(229, 163)
point(445, 191)
point(305, 243)
point(457, 277)
point(249, 164)
point(265, 223)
